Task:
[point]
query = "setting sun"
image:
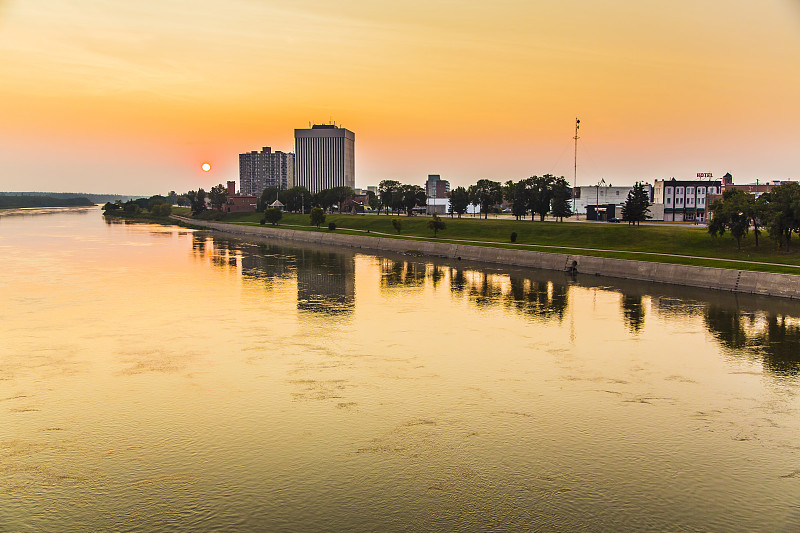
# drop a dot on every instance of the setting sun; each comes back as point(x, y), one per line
point(206, 167)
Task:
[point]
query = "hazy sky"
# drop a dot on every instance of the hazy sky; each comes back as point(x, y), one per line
point(131, 97)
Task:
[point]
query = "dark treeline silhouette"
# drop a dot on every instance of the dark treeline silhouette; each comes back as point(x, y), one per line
point(778, 211)
point(15, 201)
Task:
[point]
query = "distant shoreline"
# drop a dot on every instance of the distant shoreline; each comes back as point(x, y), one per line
point(733, 280)
point(21, 202)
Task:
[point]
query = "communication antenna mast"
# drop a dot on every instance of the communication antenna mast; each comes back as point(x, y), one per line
point(575, 170)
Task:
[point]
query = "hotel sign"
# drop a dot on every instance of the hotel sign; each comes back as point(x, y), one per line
point(704, 175)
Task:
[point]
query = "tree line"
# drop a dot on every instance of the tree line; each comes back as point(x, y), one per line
point(157, 205)
point(537, 195)
point(777, 211)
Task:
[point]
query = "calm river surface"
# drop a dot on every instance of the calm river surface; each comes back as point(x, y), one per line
point(158, 379)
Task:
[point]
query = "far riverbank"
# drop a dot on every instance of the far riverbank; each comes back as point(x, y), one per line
point(726, 279)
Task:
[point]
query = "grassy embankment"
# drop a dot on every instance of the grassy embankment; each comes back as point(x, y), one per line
point(642, 243)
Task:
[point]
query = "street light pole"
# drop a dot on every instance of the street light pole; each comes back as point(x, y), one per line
point(575, 169)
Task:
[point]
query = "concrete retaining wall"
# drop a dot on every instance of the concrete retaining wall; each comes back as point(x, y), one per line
point(765, 283)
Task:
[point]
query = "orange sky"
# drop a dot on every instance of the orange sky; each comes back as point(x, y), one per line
point(132, 97)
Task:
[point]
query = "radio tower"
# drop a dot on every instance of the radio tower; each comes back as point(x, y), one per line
point(575, 173)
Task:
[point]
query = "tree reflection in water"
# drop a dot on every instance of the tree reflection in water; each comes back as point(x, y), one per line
point(772, 336)
point(633, 312)
point(764, 328)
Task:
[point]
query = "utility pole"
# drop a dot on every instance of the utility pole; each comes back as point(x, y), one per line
point(575, 173)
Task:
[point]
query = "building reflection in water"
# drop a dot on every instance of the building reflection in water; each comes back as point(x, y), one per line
point(326, 282)
point(325, 279)
point(767, 329)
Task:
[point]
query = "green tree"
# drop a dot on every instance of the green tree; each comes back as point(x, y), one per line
point(373, 201)
point(273, 215)
point(487, 193)
point(508, 189)
point(731, 214)
point(296, 199)
point(131, 207)
point(758, 215)
point(397, 224)
point(197, 201)
point(562, 194)
point(637, 205)
point(436, 224)
point(459, 200)
point(162, 210)
point(413, 196)
point(317, 216)
point(155, 201)
point(519, 204)
point(268, 195)
point(172, 198)
point(340, 195)
point(387, 193)
point(218, 195)
point(111, 207)
point(540, 195)
point(781, 207)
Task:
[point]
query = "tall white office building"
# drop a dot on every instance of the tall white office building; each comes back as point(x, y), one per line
point(324, 157)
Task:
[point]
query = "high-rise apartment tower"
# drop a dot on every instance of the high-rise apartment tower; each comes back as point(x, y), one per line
point(259, 170)
point(325, 157)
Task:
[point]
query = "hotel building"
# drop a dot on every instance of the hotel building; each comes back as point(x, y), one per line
point(685, 200)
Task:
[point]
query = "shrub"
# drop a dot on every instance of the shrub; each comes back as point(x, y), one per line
point(331, 226)
point(317, 217)
point(513, 236)
point(397, 224)
point(273, 215)
point(262, 221)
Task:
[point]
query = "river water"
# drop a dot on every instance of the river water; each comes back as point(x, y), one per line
point(154, 378)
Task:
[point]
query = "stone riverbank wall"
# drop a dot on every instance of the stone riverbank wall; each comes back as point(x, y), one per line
point(746, 281)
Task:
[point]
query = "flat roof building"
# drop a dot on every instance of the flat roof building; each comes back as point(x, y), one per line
point(436, 187)
point(259, 170)
point(685, 200)
point(325, 157)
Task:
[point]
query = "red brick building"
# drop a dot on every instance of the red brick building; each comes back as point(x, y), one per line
point(239, 203)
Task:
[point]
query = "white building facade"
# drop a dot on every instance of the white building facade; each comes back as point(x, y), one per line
point(324, 157)
point(685, 200)
point(586, 195)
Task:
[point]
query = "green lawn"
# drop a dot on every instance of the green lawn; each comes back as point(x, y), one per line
point(610, 240)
